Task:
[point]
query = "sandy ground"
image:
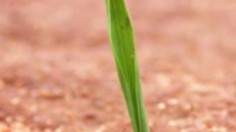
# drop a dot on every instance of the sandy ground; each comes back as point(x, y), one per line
point(57, 73)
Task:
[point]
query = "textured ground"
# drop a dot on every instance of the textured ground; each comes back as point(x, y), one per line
point(57, 73)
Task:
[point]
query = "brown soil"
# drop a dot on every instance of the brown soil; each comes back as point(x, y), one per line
point(57, 72)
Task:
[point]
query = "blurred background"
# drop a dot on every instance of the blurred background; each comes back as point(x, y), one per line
point(57, 73)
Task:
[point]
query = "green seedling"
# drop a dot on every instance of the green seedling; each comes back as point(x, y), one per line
point(123, 46)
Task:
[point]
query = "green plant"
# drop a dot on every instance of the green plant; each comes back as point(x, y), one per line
point(123, 45)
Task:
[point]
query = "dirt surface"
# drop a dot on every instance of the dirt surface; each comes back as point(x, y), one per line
point(57, 73)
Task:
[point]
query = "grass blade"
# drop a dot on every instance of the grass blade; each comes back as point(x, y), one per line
point(123, 45)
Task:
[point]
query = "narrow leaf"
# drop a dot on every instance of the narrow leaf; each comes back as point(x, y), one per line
point(123, 46)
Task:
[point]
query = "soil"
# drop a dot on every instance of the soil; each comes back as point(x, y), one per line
point(57, 72)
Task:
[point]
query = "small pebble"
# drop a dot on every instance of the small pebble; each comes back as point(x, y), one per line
point(9, 119)
point(15, 101)
point(161, 106)
point(3, 127)
point(218, 129)
point(19, 127)
point(172, 123)
point(2, 84)
point(33, 108)
point(173, 102)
